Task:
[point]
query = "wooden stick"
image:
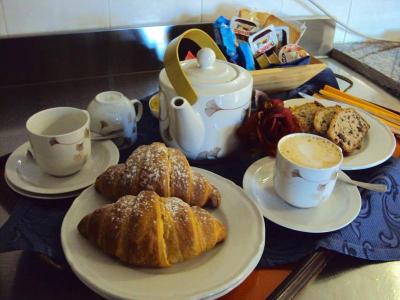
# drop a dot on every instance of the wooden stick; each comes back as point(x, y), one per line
point(369, 107)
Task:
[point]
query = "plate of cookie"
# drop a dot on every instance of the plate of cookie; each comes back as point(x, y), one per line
point(198, 246)
point(365, 141)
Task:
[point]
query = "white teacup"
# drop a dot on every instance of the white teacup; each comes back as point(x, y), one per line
point(306, 169)
point(60, 139)
point(113, 115)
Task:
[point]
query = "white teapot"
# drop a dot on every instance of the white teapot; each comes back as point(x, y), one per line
point(203, 100)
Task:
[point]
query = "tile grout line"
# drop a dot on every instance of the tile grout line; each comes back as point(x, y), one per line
point(201, 11)
point(347, 21)
point(109, 13)
point(4, 14)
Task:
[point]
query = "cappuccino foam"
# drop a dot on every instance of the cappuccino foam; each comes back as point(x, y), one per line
point(309, 151)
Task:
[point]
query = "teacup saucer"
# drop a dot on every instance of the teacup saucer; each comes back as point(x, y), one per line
point(338, 211)
point(41, 196)
point(25, 174)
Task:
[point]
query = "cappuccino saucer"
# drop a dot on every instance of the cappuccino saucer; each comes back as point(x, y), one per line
point(24, 174)
point(335, 213)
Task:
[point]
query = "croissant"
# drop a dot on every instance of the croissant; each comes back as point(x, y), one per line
point(158, 168)
point(151, 231)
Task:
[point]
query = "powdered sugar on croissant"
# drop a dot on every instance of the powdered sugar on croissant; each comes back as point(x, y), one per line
point(152, 231)
point(158, 168)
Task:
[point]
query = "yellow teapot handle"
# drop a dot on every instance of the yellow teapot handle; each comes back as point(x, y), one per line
point(172, 65)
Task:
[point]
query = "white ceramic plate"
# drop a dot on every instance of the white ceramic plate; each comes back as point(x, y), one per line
point(41, 196)
point(338, 211)
point(209, 275)
point(25, 174)
point(378, 145)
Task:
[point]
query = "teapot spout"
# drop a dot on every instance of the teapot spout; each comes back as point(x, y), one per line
point(189, 129)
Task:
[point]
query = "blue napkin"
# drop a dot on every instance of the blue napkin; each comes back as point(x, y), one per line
point(375, 233)
point(34, 225)
point(326, 77)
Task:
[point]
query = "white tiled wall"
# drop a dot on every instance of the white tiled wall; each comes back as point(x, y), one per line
point(3, 30)
point(381, 18)
point(338, 8)
point(228, 8)
point(32, 17)
point(138, 13)
point(37, 16)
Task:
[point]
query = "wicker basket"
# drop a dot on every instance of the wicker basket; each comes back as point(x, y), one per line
point(285, 79)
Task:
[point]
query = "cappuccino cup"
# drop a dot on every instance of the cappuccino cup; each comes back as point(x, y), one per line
point(60, 139)
point(306, 169)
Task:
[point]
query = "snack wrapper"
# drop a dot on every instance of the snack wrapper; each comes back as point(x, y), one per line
point(291, 53)
point(225, 38)
point(262, 44)
point(243, 28)
point(245, 59)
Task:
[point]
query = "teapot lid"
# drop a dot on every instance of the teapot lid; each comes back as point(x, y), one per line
point(207, 70)
point(211, 76)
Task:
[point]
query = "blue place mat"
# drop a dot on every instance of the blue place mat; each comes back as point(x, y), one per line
point(34, 225)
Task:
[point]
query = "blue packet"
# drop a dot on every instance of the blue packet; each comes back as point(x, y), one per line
point(225, 38)
point(245, 56)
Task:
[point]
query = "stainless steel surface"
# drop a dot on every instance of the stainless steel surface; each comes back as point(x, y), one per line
point(363, 87)
point(319, 36)
point(20, 102)
point(382, 188)
point(308, 97)
point(346, 277)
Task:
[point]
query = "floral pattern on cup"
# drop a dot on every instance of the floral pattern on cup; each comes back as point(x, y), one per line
point(210, 154)
point(321, 187)
point(212, 107)
point(104, 125)
point(59, 139)
point(80, 156)
point(54, 141)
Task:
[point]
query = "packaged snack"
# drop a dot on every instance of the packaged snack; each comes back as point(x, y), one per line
point(243, 28)
point(250, 14)
point(189, 55)
point(294, 33)
point(291, 53)
point(282, 33)
point(225, 38)
point(262, 44)
point(273, 59)
point(245, 59)
point(263, 40)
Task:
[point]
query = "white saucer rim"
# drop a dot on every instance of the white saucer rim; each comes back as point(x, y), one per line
point(41, 196)
point(10, 169)
point(254, 167)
